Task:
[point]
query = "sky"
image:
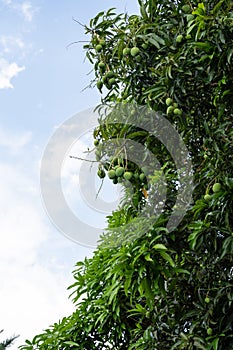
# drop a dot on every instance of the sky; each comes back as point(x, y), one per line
point(42, 84)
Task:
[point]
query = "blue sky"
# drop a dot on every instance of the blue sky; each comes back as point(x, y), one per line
point(40, 87)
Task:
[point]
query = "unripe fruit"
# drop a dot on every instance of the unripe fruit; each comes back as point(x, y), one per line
point(98, 48)
point(111, 174)
point(99, 84)
point(101, 173)
point(170, 109)
point(105, 78)
point(120, 171)
point(102, 42)
point(209, 331)
point(101, 66)
point(126, 51)
point(112, 81)
point(134, 51)
point(216, 187)
point(142, 176)
point(108, 86)
point(145, 46)
point(207, 300)
point(175, 105)
point(128, 175)
point(207, 197)
point(179, 38)
point(96, 142)
point(186, 8)
point(168, 101)
point(110, 74)
point(177, 111)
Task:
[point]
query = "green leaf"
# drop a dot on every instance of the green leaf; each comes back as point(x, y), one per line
point(217, 7)
point(159, 246)
point(229, 55)
point(69, 342)
point(154, 42)
point(215, 343)
point(143, 10)
point(178, 270)
point(158, 39)
point(201, 10)
point(192, 25)
point(203, 45)
point(148, 258)
point(168, 258)
point(127, 283)
point(136, 135)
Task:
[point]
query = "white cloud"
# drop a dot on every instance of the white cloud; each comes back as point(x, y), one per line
point(32, 298)
point(14, 142)
point(27, 11)
point(30, 293)
point(25, 8)
point(7, 2)
point(7, 72)
point(34, 259)
point(11, 43)
point(38, 52)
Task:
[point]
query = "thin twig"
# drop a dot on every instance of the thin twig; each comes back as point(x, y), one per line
point(86, 160)
point(97, 194)
point(76, 42)
point(75, 20)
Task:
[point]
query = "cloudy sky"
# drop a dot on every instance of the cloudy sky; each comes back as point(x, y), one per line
point(41, 83)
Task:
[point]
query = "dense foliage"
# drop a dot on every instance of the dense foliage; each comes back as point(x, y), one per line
point(161, 290)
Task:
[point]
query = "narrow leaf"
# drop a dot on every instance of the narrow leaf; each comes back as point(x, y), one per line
point(159, 246)
point(168, 258)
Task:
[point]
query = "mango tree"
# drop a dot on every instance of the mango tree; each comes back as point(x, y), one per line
point(165, 289)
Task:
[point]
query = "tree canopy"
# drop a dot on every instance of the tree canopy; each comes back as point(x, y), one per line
point(163, 289)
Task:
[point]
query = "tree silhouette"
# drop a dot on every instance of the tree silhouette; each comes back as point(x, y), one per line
point(7, 342)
